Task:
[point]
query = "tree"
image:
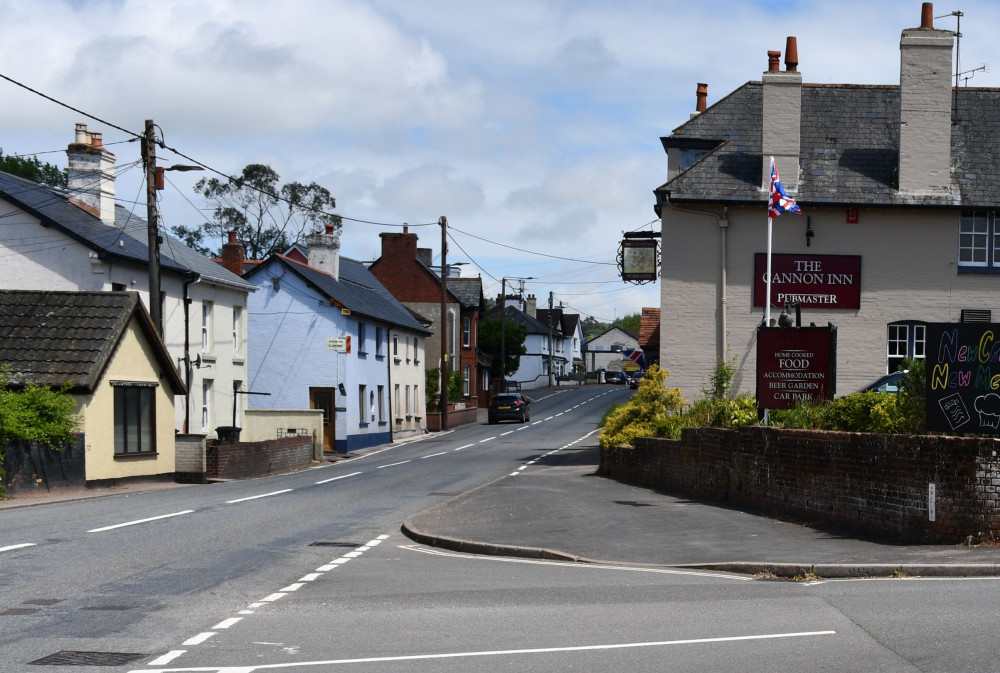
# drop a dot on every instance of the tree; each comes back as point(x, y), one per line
point(631, 322)
point(32, 169)
point(489, 343)
point(266, 215)
point(592, 327)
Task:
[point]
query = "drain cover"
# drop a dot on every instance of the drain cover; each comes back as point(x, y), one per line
point(323, 543)
point(71, 658)
point(20, 611)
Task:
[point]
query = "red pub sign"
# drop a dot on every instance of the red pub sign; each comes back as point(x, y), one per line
point(795, 365)
point(816, 281)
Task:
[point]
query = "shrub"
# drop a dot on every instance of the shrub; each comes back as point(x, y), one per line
point(653, 411)
point(725, 412)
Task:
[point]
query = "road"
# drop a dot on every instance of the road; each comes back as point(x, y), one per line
point(309, 573)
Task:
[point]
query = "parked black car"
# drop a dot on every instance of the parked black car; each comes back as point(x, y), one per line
point(509, 407)
point(633, 380)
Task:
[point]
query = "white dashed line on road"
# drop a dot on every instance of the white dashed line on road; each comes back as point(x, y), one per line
point(256, 497)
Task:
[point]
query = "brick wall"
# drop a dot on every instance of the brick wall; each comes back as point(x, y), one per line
point(872, 483)
point(246, 460)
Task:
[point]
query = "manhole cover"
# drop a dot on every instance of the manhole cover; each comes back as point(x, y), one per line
point(71, 658)
point(108, 607)
point(323, 543)
point(20, 611)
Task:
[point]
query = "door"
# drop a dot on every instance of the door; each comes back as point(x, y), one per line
point(323, 399)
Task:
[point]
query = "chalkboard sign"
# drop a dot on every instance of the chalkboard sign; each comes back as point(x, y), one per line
point(963, 377)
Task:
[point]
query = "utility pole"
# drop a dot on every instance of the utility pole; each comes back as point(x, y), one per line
point(503, 334)
point(552, 360)
point(152, 226)
point(444, 322)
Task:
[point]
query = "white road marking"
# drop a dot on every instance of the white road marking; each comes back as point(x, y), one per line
point(463, 447)
point(550, 418)
point(262, 495)
point(293, 587)
point(272, 598)
point(199, 639)
point(134, 523)
point(509, 432)
point(488, 439)
point(402, 462)
point(311, 577)
point(166, 658)
point(502, 653)
point(435, 454)
point(343, 476)
point(17, 546)
point(226, 623)
point(537, 422)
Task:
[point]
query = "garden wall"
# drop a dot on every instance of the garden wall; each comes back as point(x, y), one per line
point(246, 460)
point(926, 489)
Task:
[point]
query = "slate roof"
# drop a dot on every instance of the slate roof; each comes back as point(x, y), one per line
point(519, 317)
point(356, 289)
point(468, 291)
point(127, 241)
point(849, 149)
point(55, 338)
point(564, 322)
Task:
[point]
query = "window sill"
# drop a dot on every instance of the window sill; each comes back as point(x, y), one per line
point(379, 357)
point(239, 362)
point(382, 424)
point(978, 271)
point(142, 454)
point(396, 360)
point(362, 354)
point(362, 425)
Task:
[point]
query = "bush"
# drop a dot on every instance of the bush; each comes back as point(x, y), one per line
point(723, 412)
point(653, 411)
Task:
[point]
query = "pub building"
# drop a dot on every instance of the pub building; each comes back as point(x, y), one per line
point(900, 194)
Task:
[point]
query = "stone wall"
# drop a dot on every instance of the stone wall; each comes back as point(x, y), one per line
point(246, 460)
point(927, 489)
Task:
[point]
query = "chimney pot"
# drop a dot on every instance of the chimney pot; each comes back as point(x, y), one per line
point(927, 16)
point(701, 97)
point(773, 59)
point(329, 229)
point(232, 236)
point(95, 139)
point(82, 137)
point(791, 54)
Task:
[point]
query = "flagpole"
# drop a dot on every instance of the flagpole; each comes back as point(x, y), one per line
point(767, 292)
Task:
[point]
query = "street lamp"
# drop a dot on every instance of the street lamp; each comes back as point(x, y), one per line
point(503, 329)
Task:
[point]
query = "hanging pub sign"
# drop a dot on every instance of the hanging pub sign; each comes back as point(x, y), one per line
point(963, 378)
point(637, 259)
point(795, 364)
point(815, 281)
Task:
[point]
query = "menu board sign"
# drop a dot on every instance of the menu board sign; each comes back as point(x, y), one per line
point(963, 377)
point(795, 365)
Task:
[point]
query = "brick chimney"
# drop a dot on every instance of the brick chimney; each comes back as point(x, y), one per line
point(91, 175)
point(782, 117)
point(401, 247)
point(531, 305)
point(324, 251)
point(232, 255)
point(925, 83)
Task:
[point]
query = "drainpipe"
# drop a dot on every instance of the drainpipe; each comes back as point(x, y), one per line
point(191, 280)
point(723, 221)
point(388, 392)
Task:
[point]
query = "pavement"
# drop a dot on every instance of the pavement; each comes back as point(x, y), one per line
point(558, 508)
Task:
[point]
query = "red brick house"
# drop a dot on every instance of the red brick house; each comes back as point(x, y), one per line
point(405, 270)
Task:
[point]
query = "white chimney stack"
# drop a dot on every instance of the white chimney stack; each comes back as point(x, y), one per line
point(324, 251)
point(91, 175)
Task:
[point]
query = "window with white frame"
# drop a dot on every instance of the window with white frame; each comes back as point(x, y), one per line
point(206, 405)
point(362, 329)
point(395, 346)
point(379, 338)
point(206, 326)
point(466, 375)
point(407, 392)
point(134, 417)
point(979, 241)
point(363, 404)
point(237, 332)
point(381, 404)
point(905, 340)
point(466, 331)
point(395, 402)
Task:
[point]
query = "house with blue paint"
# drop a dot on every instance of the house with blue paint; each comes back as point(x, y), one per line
point(325, 334)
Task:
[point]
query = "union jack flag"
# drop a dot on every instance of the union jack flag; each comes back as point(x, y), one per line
point(780, 202)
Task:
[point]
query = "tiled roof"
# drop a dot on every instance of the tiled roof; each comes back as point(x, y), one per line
point(126, 241)
point(468, 291)
point(519, 317)
point(849, 149)
point(55, 338)
point(563, 322)
point(356, 289)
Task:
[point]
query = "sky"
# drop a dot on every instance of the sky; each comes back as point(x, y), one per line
point(533, 126)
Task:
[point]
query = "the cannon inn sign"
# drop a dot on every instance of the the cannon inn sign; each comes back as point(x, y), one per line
point(815, 281)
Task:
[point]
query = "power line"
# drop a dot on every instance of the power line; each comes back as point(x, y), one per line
point(532, 252)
